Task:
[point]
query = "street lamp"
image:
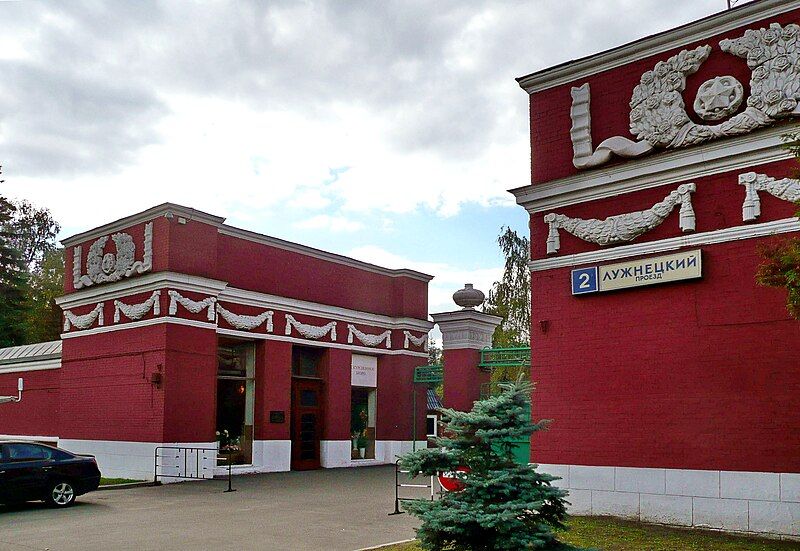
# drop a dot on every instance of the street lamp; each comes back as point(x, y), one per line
point(17, 398)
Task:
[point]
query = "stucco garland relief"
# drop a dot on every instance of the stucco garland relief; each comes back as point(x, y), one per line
point(623, 227)
point(658, 114)
point(83, 321)
point(421, 341)
point(310, 331)
point(246, 323)
point(367, 339)
point(108, 267)
point(138, 311)
point(785, 188)
point(193, 306)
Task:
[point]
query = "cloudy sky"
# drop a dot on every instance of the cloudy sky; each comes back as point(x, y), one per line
point(388, 131)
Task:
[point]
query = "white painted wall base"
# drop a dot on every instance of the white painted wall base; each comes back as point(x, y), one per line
point(336, 453)
point(135, 459)
point(760, 503)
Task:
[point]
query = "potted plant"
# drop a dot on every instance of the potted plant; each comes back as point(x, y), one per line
point(354, 437)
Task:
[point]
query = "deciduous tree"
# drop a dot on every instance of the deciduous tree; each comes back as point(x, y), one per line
point(510, 297)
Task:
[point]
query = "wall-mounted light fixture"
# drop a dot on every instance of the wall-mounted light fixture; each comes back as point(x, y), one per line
point(17, 398)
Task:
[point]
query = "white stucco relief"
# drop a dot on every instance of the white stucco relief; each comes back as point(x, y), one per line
point(246, 323)
point(581, 133)
point(107, 267)
point(367, 339)
point(138, 311)
point(658, 116)
point(787, 189)
point(83, 321)
point(193, 306)
point(310, 331)
point(623, 227)
point(410, 339)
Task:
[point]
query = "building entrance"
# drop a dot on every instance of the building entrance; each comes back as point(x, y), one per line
point(307, 408)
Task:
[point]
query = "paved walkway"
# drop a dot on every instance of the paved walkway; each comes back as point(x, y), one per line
point(335, 509)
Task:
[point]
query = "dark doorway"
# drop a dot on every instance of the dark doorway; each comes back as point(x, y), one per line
point(307, 408)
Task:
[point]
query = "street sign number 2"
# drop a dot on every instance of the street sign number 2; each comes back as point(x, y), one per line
point(584, 280)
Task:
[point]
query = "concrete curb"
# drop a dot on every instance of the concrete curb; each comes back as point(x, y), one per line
point(384, 545)
point(128, 486)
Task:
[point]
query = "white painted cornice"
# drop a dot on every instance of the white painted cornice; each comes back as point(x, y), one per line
point(702, 29)
point(141, 323)
point(322, 255)
point(142, 284)
point(737, 233)
point(669, 167)
point(165, 209)
point(219, 289)
point(466, 328)
point(36, 365)
point(295, 306)
point(229, 332)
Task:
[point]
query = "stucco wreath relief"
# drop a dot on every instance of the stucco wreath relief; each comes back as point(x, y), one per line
point(104, 267)
point(658, 116)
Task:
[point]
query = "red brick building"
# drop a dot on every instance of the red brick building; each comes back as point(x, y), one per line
point(180, 329)
point(657, 174)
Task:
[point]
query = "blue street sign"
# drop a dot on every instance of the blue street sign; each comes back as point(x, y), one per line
point(584, 280)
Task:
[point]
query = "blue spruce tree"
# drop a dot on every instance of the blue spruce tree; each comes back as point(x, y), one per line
point(504, 506)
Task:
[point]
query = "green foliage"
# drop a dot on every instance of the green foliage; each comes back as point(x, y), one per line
point(31, 274)
point(510, 297)
point(781, 266)
point(46, 282)
point(35, 233)
point(504, 505)
point(13, 280)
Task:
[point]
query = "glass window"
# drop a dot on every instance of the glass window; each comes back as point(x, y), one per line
point(362, 422)
point(19, 452)
point(236, 402)
point(431, 426)
point(306, 361)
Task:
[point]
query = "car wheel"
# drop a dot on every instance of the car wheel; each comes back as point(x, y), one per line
point(61, 494)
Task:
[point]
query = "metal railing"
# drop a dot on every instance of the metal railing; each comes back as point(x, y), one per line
point(190, 463)
point(398, 485)
point(505, 357)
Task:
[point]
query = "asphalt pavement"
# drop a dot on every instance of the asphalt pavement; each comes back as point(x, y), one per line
point(331, 509)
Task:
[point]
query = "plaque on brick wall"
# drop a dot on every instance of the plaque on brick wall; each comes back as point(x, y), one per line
point(277, 417)
point(637, 273)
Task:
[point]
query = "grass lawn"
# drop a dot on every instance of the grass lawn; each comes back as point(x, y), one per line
point(113, 481)
point(611, 534)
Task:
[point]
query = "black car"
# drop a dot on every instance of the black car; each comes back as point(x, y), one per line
point(31, 471)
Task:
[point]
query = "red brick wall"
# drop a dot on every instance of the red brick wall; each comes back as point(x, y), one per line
point(611, 93)
point(693, 375)
point(37, 413)
point(106, 392)
point(190, 384)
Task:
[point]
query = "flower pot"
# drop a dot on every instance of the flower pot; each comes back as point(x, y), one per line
point(362, 452)
point(355, 443)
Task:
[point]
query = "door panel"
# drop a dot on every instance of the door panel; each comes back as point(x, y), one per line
point(307, 422)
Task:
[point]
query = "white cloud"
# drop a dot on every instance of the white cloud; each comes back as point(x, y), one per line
point(330, 223)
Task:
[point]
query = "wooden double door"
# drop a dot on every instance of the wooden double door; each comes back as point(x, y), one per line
point(307, 423)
